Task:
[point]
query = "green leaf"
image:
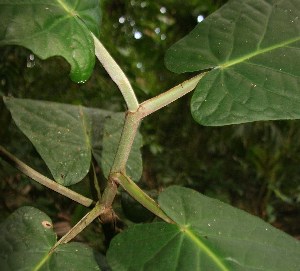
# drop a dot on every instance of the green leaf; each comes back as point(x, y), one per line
point(253, 47)
point(66, 135)
point(60, 133)
point(112, 134)
point(53, 28)
point(25, 242)
point(208, 235)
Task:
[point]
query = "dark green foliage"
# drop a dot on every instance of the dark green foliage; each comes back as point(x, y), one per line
point(208, 235)
point(251, 166)
point(26, 240)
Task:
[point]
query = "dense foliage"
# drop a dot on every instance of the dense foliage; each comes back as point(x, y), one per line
point(251, 166)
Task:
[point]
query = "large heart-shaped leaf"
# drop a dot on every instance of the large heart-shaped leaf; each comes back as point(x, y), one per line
point(253, 47)
point(66, 135)
point(53, 28)
point(208, 235)
point(26, 240)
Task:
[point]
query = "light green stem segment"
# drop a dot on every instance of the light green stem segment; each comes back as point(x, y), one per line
point(96, 182)
point(101, 208)
point(81, 225)
point(38, 177)
point(129, 131)
point(116, 74)
point(138, 194)
point(169, 96)
point(131, 124)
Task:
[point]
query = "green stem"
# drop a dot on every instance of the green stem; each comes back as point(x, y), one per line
point(96, 182)
point(109, 193)
point(139, 195)
point(169, 96)
point(100, 209)
point(131, 124)
point(81, 225)
point(36, 176)
point(117, 175)
point(116, 74)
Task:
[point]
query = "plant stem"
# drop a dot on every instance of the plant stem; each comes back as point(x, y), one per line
point(36, 176)
point(116, 74)
point(109, 193)
point(139, 195)
point(131, 124)
point(117, 174)
point(101, 208)
point(95, 181)
point(81, 225)
point(169, 96)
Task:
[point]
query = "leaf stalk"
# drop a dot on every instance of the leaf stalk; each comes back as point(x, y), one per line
point(116, 74)
point(43, 180)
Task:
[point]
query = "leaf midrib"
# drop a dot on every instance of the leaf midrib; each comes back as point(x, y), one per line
point(196, 240)
point(258, 52)
point(66, 7)
point(41, 263)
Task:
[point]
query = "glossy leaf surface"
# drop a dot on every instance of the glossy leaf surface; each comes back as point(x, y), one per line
point(53, 28)
point(25, 242)
point(208, 235)
point(253, 47)
point(66, 135)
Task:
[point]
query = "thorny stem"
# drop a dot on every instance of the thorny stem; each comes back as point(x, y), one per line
point(38, 177)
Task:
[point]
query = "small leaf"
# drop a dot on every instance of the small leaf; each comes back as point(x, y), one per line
point(253, 48)
point(53, 28)
point(112, 134)
point(208, 235)
point(26, 240)
point(66, 135)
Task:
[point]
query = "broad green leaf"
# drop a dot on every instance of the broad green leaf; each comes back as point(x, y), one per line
point(25, 242)
point(253, 49)
point(66, 135)
point(112, 134)
point(53, 28)
point(208, 235)
point(60, 133)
